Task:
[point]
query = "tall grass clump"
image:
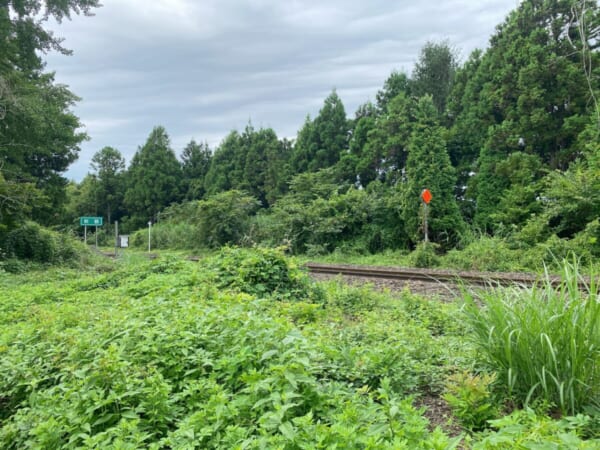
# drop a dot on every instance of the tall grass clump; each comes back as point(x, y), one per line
point(543, 342)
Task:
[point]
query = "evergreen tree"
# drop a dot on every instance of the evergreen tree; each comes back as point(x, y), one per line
point(321, 142)
point(223, 173)
point(384, 154)
point(434, 73)
point(195, 163)
point(304, 148)
point(356, 166)
point(153, 179)
point(108, 165)
point(277, 176)
point(428, 167)
point(394, 85)
point(532, 76)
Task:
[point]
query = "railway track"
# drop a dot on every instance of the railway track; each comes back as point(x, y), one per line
point(430, 275)
point(437, 276)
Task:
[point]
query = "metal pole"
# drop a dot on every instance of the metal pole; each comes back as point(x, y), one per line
point(116, 236)
point(96, 234)
point(425, 222)
point(85, 234)
point(149, 229)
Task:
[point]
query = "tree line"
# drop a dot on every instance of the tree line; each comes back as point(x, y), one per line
point(507, 142)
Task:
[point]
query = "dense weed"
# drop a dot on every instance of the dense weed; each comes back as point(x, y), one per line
point(159, 354)
point(544, 342)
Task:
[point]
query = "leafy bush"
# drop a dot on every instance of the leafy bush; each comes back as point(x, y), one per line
point(486, 254)
point(13, 265)
point(352, 300)
point(319, 218)
point(224, 218)
point(424, 255)
point(31, 242)
point(262, 272)
point(524, 430)
point(470, 398)
point(544, 342)
point(167, 235)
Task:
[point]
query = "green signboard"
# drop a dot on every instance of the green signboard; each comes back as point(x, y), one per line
point(90, 221)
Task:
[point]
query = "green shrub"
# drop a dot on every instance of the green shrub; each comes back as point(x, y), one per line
point(470, 398)
point(524, 429)
point(544, 342)
point(424, 255)
point(13, 265)
point(167, 235)
point(262, 272)
point(31, 242)
point(486, 254)
point(224, 218)
point(352, 299)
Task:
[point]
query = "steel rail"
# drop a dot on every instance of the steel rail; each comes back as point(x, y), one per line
point(430, 275)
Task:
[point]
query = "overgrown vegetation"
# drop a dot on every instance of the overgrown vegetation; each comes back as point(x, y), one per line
point(32, 244)
point(544, 343)
point(158, 355)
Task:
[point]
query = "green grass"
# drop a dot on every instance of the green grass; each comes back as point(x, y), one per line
point(544, 343)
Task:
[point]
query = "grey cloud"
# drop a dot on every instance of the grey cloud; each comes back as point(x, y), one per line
point(204, 68)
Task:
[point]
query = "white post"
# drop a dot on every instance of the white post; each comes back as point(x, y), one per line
point(149, 229)
point(116, 236)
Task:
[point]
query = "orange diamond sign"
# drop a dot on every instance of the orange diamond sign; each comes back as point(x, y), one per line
point(426, 196)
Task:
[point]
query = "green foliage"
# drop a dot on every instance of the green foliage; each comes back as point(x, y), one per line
point(527, 93)
point(428, 166)
point(262, 272)
point(523, 430)
point(18, 200)
point(195, 163)
point(321, 142)
point(226, 165)
point(224, 218)
point(319, 216)
point(394, 85)
point(352, 300)
point(383, 155)
point(424, 255)
point(153, 179)
point(544, 343)
point(153, 356)
point(108, 165)
point(372, 338)
point(31, 242)
point(471, 400)
point(39, 134)
point(434, 73)
point(167, 235)
point(486, 254)
point(254, 161)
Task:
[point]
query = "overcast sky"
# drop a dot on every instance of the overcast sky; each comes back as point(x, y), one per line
point(204, 68)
